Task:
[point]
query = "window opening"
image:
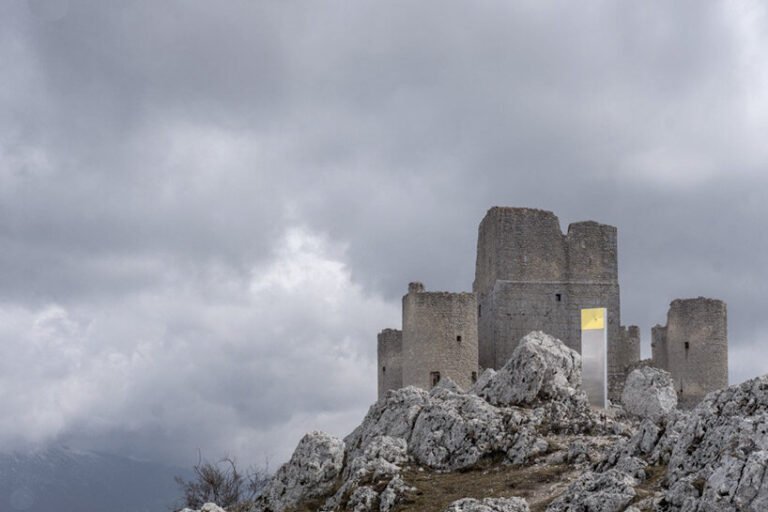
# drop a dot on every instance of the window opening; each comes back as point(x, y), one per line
point(434, 377)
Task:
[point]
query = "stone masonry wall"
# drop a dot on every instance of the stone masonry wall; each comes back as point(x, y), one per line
point(529, 276)
point(390, 352)
point(439, 336)
point(628, 358)
point(696, 342)
point(659, 347)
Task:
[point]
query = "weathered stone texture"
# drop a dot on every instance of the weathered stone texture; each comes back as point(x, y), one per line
point(529, 276)
point(312, 472)
point(488, 505)
point(627, 359)
point(439, 337)
point(649, 393)
point(611, 491)
point(390, 352)
point(693, 347)
point(541, 369)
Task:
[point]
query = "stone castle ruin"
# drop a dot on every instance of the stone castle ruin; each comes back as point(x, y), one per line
point(693, 347)
point(529, 276)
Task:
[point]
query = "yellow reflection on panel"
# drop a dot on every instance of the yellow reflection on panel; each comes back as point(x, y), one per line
point(593, 318)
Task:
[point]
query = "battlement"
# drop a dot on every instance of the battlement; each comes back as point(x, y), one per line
point(527, 245)
point(417, 291)
point(592, 252)
point(389, 336)
point(415, 287)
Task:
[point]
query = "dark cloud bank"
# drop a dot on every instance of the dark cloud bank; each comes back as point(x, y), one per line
point(208, 210)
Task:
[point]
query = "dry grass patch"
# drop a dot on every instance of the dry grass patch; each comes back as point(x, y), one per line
point(538, 484)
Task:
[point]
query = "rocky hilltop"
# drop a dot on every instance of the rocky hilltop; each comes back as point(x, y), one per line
point(525, 439)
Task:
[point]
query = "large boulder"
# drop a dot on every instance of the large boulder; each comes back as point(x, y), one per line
point(649, 393)
point(610, 491)
point(455, 430)
point(488, 505)
point(312, 472)
point(541, 369)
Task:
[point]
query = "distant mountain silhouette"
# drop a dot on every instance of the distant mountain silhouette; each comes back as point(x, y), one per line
point(72, 480)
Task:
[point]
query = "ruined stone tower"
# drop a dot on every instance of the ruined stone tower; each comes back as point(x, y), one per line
point(390, 352)
point(438, 341)
point(529, 276)
point(693, 347)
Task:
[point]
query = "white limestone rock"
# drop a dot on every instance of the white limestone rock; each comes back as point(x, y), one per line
point(382, 458)
point(449, 384)
point(488, 505)
point(610, 491)
point(208, 507)
point(363, 499)
point(392, 416)
point(526, 446)
point(649, 393)
point(483, 382)
point(541, 369)
point(719, 452)
point(379, 464)
point(454, 430)
point(394, 493)
point(311, 472)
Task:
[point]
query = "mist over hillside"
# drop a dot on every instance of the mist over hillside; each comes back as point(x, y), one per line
point(63, 479)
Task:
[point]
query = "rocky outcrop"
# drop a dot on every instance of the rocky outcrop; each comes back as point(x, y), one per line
point(719, 459)
point(611, 491)
point(531, 418)
point(378, 466)
point(455, 430)
point(649, 393)
point(541, 369)
point(312, 472)
point(488, 505)
point(208, 507)
point(715, 456)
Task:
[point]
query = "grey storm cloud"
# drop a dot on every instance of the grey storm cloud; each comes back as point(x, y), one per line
point(208, 210)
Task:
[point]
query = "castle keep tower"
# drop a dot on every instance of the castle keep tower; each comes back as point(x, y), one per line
point(693, 347)
point(529, 276)
point(439, 337)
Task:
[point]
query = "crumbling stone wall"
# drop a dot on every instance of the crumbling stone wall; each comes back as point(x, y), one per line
point(530, 276)
point(439, 337)
point(390, 357)
point(659, 347)
point(627, 359)
point(693, 347)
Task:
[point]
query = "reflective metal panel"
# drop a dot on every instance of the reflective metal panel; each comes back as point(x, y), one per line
point(594, 356)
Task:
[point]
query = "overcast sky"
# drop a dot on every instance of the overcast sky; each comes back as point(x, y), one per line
point(209, 209)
